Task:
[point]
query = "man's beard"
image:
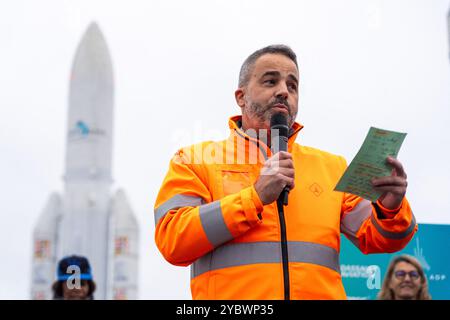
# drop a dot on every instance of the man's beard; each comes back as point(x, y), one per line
point(264, 113)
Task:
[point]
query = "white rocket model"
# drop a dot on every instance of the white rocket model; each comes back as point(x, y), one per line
point(87, 219)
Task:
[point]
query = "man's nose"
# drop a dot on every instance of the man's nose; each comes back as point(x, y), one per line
point(282, 91)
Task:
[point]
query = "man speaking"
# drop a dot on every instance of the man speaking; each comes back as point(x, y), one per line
point(258, 223)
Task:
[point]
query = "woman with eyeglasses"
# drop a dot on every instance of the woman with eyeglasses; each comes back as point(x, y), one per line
point(405, 280)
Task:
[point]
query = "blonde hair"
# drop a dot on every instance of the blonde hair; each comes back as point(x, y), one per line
point(387, 294)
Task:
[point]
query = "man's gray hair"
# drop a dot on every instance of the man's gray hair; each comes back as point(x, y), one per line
point(247, 66)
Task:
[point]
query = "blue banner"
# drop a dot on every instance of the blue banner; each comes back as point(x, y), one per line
point(363, 275)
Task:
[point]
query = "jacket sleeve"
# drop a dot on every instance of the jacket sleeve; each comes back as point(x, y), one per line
point(375, 229)
point(188, 223)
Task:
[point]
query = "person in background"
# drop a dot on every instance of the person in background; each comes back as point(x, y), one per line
point(405, 280)
point(68, 286)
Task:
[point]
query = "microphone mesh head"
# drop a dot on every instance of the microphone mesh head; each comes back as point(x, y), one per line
point(279, 121)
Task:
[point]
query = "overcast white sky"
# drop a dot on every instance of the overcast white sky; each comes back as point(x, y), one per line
point(362, 63)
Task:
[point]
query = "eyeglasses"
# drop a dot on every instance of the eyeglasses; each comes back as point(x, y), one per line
point(401, 274)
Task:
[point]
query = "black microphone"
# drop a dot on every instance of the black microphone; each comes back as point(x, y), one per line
point(279, 130)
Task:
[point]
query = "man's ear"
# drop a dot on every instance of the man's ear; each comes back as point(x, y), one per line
point(239, 96)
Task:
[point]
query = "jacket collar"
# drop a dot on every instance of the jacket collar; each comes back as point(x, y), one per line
point(235, 124)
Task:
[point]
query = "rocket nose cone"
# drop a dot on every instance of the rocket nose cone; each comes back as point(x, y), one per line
point(92, 73)
point(93, 38)
point(94, 32)
point(93, 27)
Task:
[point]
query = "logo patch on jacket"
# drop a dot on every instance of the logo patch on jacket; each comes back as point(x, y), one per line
point(316, 189)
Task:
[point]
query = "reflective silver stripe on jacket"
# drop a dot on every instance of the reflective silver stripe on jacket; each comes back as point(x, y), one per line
point(213, 223)
point(354, 219)
point(395, 235)
point(240, 254)
point(176, 202)
point(314, 253)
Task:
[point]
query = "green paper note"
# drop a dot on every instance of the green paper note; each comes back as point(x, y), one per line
point(370, 162)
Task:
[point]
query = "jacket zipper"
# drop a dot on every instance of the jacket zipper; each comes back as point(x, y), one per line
point(284, 250)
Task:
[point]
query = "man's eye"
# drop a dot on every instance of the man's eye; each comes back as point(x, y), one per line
point(269, 81)
point(293, 87)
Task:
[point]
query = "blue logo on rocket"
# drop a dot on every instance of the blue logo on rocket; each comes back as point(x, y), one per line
point(84, 129)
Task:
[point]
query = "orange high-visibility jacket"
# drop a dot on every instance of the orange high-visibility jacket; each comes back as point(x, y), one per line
point(208, 215)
